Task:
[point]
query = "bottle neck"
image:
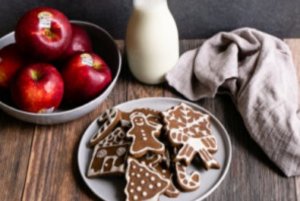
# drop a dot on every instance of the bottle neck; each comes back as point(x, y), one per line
point(149, 4)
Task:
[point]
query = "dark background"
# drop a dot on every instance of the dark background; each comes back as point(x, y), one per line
point(195, 18)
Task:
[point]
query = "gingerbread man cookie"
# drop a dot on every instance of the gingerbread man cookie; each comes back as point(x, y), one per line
point(144, 136)
point(191, 129)
point(109, 155)
point(143, 183)
point(152, 115)
point(107, 121)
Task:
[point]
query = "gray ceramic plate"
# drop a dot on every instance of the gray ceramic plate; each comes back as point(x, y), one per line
point(112, 188)
point(105, 46)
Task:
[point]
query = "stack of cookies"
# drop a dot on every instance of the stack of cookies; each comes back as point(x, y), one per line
point(153, 149)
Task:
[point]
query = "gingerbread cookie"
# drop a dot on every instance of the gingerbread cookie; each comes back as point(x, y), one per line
point(152, 115)
point(166, 173)
point(151, 160)
point(144, 136)
point(191, 129)
point(143, 183)
point(185, 181)
point(110, 154)
point(107, 121)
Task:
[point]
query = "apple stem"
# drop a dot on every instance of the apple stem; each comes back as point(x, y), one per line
point(35, 75)
point(49, 33)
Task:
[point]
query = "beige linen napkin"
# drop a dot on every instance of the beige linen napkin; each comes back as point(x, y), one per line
point(258, 71)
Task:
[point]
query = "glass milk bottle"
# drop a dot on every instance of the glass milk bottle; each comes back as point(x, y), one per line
point(152, 42)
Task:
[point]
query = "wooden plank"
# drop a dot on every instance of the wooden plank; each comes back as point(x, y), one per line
point(294, 45)
point(15, 146)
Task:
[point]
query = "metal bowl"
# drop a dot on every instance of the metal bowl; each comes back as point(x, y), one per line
point(103, 45)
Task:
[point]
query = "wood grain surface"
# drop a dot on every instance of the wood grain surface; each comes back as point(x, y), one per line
point(39, 162)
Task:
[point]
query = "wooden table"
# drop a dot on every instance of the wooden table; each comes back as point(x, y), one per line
point(39, 162)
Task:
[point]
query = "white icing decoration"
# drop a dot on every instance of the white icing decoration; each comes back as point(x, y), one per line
point(133, 166)
point(145, 139)
point(138, 175)
point(147, 174)
point(192, 132)
point(152, 178)
point(135, 197)
point(121, 151)
point(151, 186)
point(144, 193)
point(132, 183)
point(139, 188)
point(143, 181)
point(158, 184)
point(113, 167)
point(110, 137)
point(131, 190)
point(102, 153)
point(132, 174)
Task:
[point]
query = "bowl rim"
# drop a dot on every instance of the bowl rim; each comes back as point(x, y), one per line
point(80, 107)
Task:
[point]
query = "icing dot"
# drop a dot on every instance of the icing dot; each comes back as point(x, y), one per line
point(133, 166)
point(138, 175)
point(145, 139)
point(158, 184)
point(139, 188)
point(135, 197)
point(132, 174)
point(131, 190)
point(147, 174)
point(106, 165)
point(121, 151)
point(132, 183)
point(143, 181)
point(152, 178)
point(101, 153)
point(151, 186)
point(164, 171)
point(141, 170)
point(144, 193)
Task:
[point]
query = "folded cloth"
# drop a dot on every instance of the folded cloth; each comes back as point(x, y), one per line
point(258, 71)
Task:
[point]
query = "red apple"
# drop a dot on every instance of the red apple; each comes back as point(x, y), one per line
point(10, 62)
point(43, 33)
point(38, 88)
point(85, 76)
point(80, 42)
